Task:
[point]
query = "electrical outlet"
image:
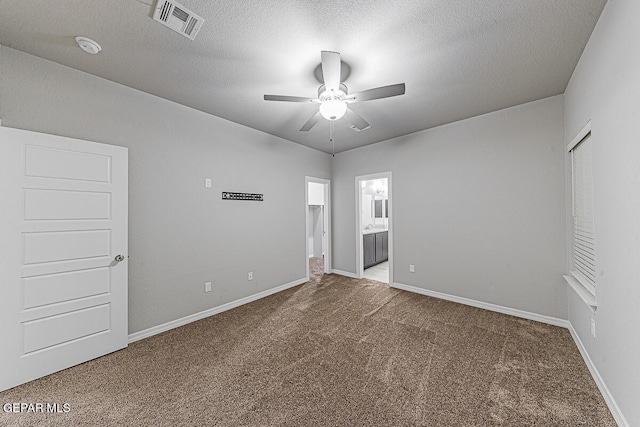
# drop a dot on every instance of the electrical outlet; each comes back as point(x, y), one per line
point(207, 183)
point(412, 268)
point(250, 275)
point(207, 287)
point(593, 328)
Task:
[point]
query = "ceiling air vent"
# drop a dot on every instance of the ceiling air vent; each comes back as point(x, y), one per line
point(178, 18)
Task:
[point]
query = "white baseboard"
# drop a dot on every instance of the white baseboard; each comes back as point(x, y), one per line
point(345, 273)
point(136, 336)
point(604, 390)
point(487, 306)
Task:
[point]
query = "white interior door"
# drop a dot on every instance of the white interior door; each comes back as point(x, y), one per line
point(63, 225)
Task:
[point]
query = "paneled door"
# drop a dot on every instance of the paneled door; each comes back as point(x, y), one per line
point(63, 253)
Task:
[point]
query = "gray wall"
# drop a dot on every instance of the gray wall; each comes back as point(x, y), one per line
point(478, 207)
point(180, 234)
point(605, 88)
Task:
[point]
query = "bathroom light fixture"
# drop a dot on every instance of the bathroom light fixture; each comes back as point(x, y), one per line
point(333, 109)
point(88, 45)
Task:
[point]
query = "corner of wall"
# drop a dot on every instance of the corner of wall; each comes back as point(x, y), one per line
point(1, 85)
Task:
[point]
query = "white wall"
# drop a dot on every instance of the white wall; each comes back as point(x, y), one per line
point(369, 196)
point(315, 230)
point(478, 207)
point(310, 230)
point(315, 199)
point(316, 193)
point(605, 88)
point(367, 210)
point(318, 221)
point(180, 234)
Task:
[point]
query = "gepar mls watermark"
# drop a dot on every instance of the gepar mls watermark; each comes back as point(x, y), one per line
point(36, 408)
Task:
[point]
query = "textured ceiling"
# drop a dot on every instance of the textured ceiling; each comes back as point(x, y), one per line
point(458, 58)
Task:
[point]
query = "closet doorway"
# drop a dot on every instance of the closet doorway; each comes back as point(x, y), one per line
point(318, 230)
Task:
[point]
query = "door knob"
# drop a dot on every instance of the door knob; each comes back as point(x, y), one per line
point(119, 258)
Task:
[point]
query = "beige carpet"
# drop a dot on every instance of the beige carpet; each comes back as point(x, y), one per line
point(340, 352)
point(316, 269)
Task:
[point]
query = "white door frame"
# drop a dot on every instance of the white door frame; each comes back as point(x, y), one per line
point(326, 241)
point(359, 244)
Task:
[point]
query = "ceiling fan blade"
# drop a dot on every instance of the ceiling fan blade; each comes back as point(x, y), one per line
point(356, 121)
point(288, 98)
point(331, 69)
point(377, 93)
point(311, 122)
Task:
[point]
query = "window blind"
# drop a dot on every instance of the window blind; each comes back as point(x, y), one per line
point(583, 236)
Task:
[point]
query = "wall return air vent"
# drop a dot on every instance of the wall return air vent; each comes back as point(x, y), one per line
point(178, 18)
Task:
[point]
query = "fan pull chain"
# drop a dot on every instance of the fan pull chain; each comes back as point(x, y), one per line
point(331, 138)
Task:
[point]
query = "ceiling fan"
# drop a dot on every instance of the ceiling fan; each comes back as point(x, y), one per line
point(333, 97)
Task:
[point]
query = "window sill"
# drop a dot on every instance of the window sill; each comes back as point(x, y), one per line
point(583, 293)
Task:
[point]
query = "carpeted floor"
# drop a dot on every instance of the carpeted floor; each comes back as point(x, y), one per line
point(339, 352)
point(316, 269)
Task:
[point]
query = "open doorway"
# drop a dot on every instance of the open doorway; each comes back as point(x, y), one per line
point(374, 248)
point(318, 230)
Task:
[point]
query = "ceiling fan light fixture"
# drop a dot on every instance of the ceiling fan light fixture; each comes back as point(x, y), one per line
point(333, 96)
point(333, 109)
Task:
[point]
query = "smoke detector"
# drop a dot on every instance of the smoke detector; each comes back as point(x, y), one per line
point(88, 45)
